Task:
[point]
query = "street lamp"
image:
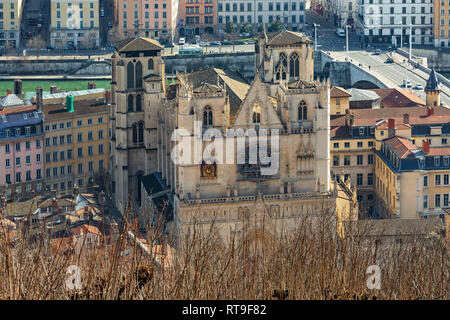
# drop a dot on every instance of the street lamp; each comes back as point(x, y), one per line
point(346, 39)
point(315, 35)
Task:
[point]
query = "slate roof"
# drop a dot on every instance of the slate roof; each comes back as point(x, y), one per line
point(287, 37)
point(80, 108)
point(432, 82)
point(362, 95)
point(338, 92)
point(300, 84)
point(207, 88)
point(11, 100)
point(137, 44)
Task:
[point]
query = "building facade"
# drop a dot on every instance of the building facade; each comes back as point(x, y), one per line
point(441, 27)
point(21, 148)
point(150, 18)
point(394, 21)
point(343, 12)
point(283, 97)
point(256, 13)
point(10, 19)
point(76, 146)
point(197, 17)
point(74, 23)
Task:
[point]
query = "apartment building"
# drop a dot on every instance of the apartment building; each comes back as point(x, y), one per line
point(442, 23)
point(76, 143)
point(197, 16)
point(21, 148)
point(393, 21)
point(74, 23)
point(150, 18)
point(341, 12)
point(357, 138)
point(290, 13)
point(10, 17)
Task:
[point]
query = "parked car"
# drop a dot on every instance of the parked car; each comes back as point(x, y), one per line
point(214, 44)
point(251, 41)
point(203, 44)
point(182, 41)
point(389, 60)
point(226, 43)
point(407, 83)
point(238, 42)
point(340, 32)
point(377, 52)
point(418, 86)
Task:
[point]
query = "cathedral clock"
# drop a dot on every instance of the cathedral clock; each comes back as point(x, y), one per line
point(208, 170)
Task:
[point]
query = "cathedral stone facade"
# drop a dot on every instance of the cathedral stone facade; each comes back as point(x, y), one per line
point(197, 162)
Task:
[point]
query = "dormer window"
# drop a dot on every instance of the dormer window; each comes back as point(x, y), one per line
point(18, 132)
point(361, 131)
point(437, 161)
point(422, 162)
point(7, 133)
point(256, 113)
point(446, 160)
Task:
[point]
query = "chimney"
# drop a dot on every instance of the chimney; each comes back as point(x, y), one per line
point(391, 123)
point(406, 118)
point(426, 146)
point(39, 99)
point(53, 89)
point(17, 87)
point(91, 85)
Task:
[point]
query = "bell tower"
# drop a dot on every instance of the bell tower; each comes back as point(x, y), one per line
point(433, 90)
point(137, 85)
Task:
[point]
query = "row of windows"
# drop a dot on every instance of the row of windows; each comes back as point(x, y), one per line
point(18, 161)
point(271, 19)
point(11, 15)
point(270, 6)
point(69, 14)
point(62, 171)
point(18, 145)
point(359, 144)
point(396, 1)
point(147, 14)
point(147, 6)
point(147, 24)
point(70, 25)
point(58, 5)
point(56, 156)
point(439, 180)
point(11, 5)
point(62, 185)
point(22, 131)
point(440, 201)
point(53, 141)
point(27, 189)
point(347, 162)
point(18, 176)
point(359, 178)
point(68, 124)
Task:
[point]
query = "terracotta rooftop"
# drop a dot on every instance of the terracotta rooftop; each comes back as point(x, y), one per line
point(338, 92)
point(384, 125)
point(439, 151)
point(80, 109)
point(20, 109)
point(85, 229)
point(402, 147)
point(395, 98)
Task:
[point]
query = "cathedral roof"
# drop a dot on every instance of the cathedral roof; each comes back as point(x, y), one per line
point(287, 37)
point(299, 84)
point(207, 88)
point(137, 44)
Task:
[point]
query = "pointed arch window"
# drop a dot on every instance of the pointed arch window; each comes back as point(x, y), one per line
point(207, 116)
point(302, 111)
point(283, 59)
point(257, 112)
point(138, 103)
point(138, 75)
point(130, 75)
point(130, 103)
point(150, 64)
point(294, 65)
point(135, 133)
point(141, 133)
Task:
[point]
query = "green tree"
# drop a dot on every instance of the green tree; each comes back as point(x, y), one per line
point(230, 27)
point(246, 27)
point(276, 26)
point(260, 28)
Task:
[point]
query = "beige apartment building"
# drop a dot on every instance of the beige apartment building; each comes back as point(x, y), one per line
point(74, 23)
point(10, 17)
point(148, 18)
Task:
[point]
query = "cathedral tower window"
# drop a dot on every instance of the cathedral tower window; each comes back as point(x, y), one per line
point(283, 59)
point(294, 66)
point(130, 75)
point(138, 103)
point(302, 111)
point(130, 103)
point(138, 75)
point(141, 132)
point(150, 64)
point(135, 133)
point(257, 113)
point(207, 116)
